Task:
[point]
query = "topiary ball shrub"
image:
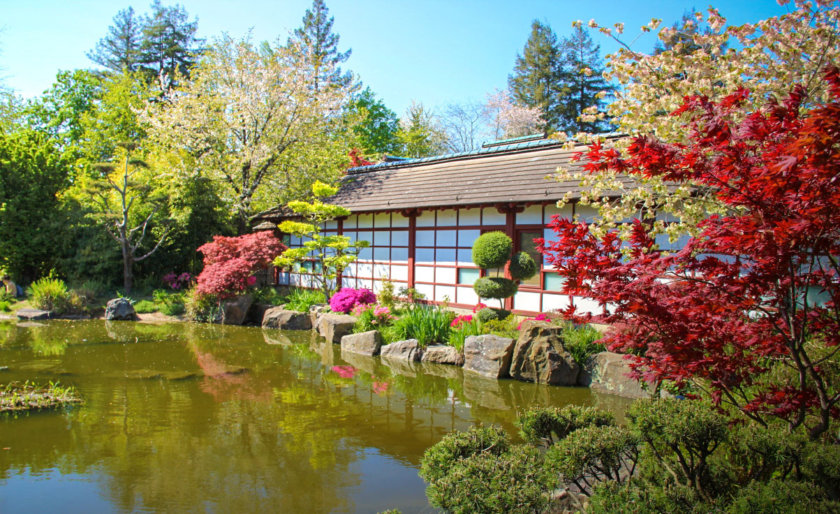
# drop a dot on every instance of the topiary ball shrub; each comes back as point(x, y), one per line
point(495, 287)
point(522, 266)
point(347, 298)
point(492, 250)
point(456, 446)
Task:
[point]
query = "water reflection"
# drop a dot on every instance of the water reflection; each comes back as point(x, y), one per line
point(197, 417)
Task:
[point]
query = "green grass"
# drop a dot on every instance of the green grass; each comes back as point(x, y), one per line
point(427, 325)
point(301, 299)
point(29, 396)
point(580, 341)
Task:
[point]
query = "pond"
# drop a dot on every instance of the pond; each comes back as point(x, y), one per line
point(190, 417)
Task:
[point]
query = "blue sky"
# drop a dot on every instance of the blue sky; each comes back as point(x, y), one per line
point(433, 51)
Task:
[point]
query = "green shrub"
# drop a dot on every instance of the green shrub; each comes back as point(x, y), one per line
point(580, 341)
point(549, 425)
point(522, 266)
point(49, 294)
point(495, 287)
point(515, 481)
point(169, 302)
point(427, 325)
point(491, 250)
point(5, 306)
point(386, 296)
point(487, 314)
point(632, 498)
point(268, 295)
point(502, 327)
point(594, 453)
point(145, 306)
point(302, 299)
point(439, 458)
point(782, 497)
point(201, 307)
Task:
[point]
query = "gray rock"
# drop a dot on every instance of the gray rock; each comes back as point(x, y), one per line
point(540, 357)
point(361, 362)
point(36, 314)
point(366, 343)
point(278, 317)
point(443, 354)
point(488, 355)
point(315, 312)
point(235, 311)
point(485, 392)
point(402, 367)
point(335, 326)
point(608, 372)
point(119, 309)
point(408, 350)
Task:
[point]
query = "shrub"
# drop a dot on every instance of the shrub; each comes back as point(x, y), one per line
point(386, 296)
point(347, 298)
point(425, 324)
point(269, 295)
point(371, 317)
point(631, 498)
point(50, 294)
point(5, 306)
point(501, 327)
point(782, 496)
point(495, 287)
point(581, 342)
point(487, 314)
point(201, 307)
point(549, 425)
point(229, 262)
point(491, 250)
point(145, 306)
point(522, 266)
point(453, 447)
point(302, 299)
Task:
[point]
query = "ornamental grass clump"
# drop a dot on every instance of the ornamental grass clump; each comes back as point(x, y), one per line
point(49, 294)
point(348, 298)
point(301, 300)
point(428, 325)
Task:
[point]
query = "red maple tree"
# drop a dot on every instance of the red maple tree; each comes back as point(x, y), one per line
point(357, 159)
point(749, 310)
point(229, 262)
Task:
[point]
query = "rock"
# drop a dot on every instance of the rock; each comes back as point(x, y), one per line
point(276, 338)
point(408, 350)
point(278, 317)
point(30, 324)
point(366, 343)
point(315, 312)
point(485, 392)
point(443, 354)
point(234, 311)
point(36, 314)
point(335, 326)
point(488, 355)
point(361, 362)
point(608, 372)
point(402, 367)
point(540, 357)
point(256, 313)
point(442, 371)
point(119, 309)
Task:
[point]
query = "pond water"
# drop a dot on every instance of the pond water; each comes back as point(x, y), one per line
point(189, 417)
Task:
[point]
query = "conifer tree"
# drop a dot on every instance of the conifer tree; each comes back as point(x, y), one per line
point(169, 44)
point(120, 49)
point(586, 86)
point(538, 79)
point(317, 46)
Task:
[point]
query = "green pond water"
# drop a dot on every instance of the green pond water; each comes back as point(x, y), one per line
point(188, 417)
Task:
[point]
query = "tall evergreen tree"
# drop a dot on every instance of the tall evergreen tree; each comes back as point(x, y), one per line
point(169, 44)
point(120, 49)
point(587, 87)
point(317, 46)
point(538, 79)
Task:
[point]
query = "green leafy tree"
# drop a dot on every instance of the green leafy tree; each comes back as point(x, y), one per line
point(317, 46)
point(586, 86)
point(120, 50)
point(375, 126)
point(538, 79)
point(420, 134)
point(331, 253)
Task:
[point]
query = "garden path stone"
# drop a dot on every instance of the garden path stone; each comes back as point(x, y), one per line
point(408, 350)
point(488, 355)
point(33, 314)
point(365, 343)
point(609, 372)
point(443, 354)
point(540, 357)
point(335, 326)
point(278, 317)
point(119, 309)
point(234, 311)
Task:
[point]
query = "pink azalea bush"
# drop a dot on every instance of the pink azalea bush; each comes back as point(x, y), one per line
point(347, 298)
point(175, 281)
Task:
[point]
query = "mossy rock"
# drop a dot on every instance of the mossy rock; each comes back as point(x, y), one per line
point(492, 250)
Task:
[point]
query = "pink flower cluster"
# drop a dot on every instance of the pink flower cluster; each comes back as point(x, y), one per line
point(479, 307)
point(459, 320)
point(177, 281)
point(347, 298)
point(538, 317)
point(381, 315)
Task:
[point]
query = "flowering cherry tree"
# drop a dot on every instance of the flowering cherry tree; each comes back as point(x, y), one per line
point(230, 262)
point(748, 311)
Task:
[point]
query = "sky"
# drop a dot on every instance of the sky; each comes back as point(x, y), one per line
point(436, 52)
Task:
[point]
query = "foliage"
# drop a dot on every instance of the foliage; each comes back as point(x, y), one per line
point(492, 250)
point(169, 303)
point(145, 306)
point(462, 329)
point(120, 50)
point(495, 287)
point(508, 120)
point(782, 496)
point(428, 325)
point(268, 295)
point(331, 253)
point(49, 294)
point(371, 317)
point(438, 460)
point(538, 76)
point(501, 327)
point(386, 296)
point(487, 314)
point(582, 342)
point(201, 307)
point(522, 266)
point(229, 262)
point(420, 134)
point(177, 281)
point(374, 125)
point(586, 87)
point(548, 425)
point(302, 299)
point(755, 294)
point(348, 298)
point(317, 46)
point(15, 396)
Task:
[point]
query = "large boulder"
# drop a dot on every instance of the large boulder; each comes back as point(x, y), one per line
point(333, 327)
point(279, 317)
point(608, 372)
point(540, 357)
point(119, 309)
point(35, 314)
point(408, 350)
point(315, 312)
point(365, 343)
point(488, 355)
point(235, 311)
point(443, 354)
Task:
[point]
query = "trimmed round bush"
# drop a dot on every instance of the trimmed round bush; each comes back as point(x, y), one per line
point(782, 496)
point(487, 314)
point(495, 287)
point(522, 266)
point(549, 425)
point(439, 459)
point(492, 250)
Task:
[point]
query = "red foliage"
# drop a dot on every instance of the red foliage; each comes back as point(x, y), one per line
point(733, 302)
point(229, 262)
point(356, 159)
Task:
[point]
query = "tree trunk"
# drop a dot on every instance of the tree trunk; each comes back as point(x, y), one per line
point(128, 264)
